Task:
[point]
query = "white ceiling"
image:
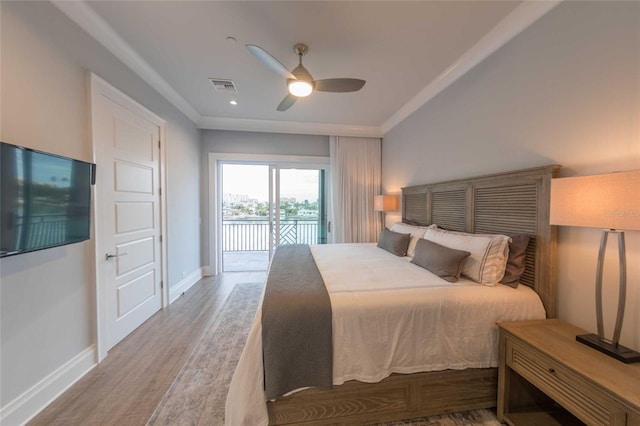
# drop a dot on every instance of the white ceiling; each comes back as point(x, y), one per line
point(406, 51)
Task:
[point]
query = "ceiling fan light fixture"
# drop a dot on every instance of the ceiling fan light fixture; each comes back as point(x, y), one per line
point(300, 88)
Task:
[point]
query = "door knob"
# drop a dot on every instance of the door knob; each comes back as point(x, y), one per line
point(109, 256)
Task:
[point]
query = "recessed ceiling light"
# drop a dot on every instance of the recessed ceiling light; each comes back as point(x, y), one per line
point(232, 102)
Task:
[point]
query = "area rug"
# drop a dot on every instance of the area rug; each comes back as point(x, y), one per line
point(467, 418)
point(198, 394)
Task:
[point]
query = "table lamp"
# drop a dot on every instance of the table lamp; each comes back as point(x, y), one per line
point(385, 203)
point(612, 202)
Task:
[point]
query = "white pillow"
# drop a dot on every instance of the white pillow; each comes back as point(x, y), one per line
point(416, 232)
point(489, 253)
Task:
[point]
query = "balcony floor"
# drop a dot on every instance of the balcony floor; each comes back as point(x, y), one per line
point(242, 261)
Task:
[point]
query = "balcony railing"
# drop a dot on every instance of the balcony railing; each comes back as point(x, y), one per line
point(43, 230)
point(252, 234)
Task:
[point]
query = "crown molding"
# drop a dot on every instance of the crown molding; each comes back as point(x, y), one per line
point(87, 18)
point(513, 24)
point(509, 27)
point(296, 127)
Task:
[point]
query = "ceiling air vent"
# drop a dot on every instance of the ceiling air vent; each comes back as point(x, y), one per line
point(221, 85)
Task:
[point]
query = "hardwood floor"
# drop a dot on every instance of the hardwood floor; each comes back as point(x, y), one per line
point(128, 385)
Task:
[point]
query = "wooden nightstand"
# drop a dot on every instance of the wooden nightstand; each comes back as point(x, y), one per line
point(547, 378)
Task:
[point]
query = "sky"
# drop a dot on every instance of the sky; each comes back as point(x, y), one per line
point(253, 180)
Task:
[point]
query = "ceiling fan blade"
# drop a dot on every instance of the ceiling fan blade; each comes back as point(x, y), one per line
point(264, 57)
point(339, 85)
point(287, 102)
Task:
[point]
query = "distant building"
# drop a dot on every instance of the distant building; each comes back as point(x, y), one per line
point(235, 198)
point(307, 212)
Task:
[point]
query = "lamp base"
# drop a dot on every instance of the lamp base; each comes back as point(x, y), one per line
point(621, 353)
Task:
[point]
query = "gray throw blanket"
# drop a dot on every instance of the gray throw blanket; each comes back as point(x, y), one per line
point(297, 342)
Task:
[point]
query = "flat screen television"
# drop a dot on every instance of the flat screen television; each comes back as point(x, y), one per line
point(45, 200)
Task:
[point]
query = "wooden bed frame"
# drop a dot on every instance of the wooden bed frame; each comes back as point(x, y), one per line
point(513, 202)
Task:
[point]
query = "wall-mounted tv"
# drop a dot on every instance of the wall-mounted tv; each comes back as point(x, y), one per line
point(45, 200)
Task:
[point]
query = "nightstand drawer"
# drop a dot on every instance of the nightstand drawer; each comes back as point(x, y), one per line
point(568, 389)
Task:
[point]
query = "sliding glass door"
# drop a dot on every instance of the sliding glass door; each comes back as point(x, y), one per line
point(245, 217)
point(301, 208)
point(266, 205)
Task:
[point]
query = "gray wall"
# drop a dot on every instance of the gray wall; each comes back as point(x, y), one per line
point(565, 91)
point(227, 141)
point(232, 142)
point(47, 306)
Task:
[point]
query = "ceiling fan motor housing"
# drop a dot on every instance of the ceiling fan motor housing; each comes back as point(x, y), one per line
point(301, 73)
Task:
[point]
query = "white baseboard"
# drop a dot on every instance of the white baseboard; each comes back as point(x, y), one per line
point(30, 403)
point(184, 284)
point(207, 271)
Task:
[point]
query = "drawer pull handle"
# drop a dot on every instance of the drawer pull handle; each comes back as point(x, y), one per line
point(551, 370)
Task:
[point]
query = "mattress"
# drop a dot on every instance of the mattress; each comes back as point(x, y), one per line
point(390, 316)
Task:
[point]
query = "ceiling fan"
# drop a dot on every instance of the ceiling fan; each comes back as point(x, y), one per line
point(299, 80)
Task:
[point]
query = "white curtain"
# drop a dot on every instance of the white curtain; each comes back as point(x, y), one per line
point(356, 175)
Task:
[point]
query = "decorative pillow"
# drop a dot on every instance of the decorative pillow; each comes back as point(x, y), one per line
point(515, 261)
point(394, 242)
point(442, 261)
point(489, 252)
point(416, 232)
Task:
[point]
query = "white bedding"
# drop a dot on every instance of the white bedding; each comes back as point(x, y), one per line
point(390, 316)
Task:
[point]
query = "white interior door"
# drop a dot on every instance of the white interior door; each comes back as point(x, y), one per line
point(128, 215)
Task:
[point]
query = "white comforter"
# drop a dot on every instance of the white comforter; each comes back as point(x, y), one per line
point(390, 316)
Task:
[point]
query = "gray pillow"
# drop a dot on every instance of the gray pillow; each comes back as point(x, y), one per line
point(515, 261)
point(442, 261)
point(394, 242)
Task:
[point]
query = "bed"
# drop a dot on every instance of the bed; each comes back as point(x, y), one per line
point(421, 378)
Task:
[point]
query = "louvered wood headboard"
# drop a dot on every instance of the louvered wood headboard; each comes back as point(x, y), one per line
point(512, 202)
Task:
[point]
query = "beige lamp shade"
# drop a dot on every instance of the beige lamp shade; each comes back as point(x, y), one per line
point(609, 201)
point(385, 203)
